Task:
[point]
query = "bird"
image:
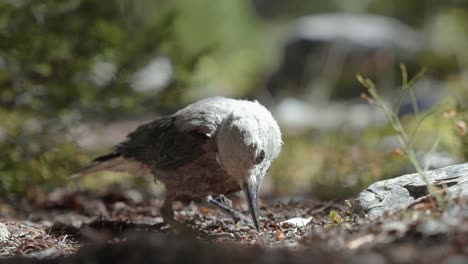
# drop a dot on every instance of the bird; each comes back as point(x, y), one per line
point(214, 146)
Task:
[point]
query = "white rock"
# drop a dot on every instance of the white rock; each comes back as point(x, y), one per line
point(297, 222)
point(4, 233)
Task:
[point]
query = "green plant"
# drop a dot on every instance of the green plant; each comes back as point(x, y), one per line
point(404, 138)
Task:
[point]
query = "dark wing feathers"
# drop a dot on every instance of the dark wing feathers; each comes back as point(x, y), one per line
point(161, 145)
point(107, 157)
point(142, 142)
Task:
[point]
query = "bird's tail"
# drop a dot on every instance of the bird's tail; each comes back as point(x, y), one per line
point(114, 162)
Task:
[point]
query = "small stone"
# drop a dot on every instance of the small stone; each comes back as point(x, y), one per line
point(4, 232)
point(244, 228)
point(297, 222)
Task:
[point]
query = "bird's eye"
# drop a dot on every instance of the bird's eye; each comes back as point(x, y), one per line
point(260, 157)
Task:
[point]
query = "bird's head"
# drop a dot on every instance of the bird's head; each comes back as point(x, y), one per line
point(248, 140)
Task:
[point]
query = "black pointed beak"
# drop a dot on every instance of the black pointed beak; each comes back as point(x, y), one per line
point(251, 193)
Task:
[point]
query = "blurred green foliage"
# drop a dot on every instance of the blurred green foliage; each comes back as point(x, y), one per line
point(338, 167)
point(459, 88)
point(339, 164)
point(49, 49)
point(51, 53)
point(31, 159)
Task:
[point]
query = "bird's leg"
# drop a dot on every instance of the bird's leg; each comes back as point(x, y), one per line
point(167, 212)
point(225, 204)
point(224, 200)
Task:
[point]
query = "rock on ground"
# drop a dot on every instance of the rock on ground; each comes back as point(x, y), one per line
point(388, 196)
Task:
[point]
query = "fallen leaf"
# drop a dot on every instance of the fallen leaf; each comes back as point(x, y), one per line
point(335, 216)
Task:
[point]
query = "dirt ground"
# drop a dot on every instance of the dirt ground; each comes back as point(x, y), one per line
point(119, 225)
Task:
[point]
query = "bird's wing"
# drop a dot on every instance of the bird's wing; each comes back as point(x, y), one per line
point(162, 145)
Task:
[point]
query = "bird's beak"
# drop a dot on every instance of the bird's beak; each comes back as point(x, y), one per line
point(251, 193)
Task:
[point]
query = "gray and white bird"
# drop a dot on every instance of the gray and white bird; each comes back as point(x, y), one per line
point(211, 147)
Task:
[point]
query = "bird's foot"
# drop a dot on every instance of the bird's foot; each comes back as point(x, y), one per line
point(224, 200)
point(225, 204)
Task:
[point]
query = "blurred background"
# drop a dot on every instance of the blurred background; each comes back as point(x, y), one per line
point(77, 75)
